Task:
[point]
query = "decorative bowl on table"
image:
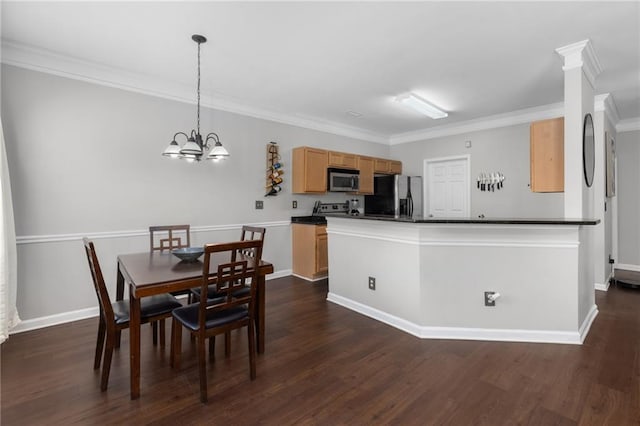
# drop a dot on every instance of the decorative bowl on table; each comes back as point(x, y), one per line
point(188, 254)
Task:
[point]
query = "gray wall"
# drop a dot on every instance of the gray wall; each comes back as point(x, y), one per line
point(628, 194)
point(503, 150)
point(85, 159)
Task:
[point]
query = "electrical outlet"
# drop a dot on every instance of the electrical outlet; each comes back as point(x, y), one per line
point(259, 204)
point(372, 283)
point(294, 204)
point(611, 260)
point(487, 300)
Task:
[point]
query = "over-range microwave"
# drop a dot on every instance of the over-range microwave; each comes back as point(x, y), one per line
point(342, 180)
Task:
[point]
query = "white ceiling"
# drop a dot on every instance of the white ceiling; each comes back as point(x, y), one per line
point(315, 61)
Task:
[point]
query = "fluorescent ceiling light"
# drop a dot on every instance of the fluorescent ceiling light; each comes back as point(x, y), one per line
point(421, 106)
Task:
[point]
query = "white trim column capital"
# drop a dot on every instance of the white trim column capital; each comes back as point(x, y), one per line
point(581, 55)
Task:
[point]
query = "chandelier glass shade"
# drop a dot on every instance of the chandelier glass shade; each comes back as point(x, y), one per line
point(195, 146)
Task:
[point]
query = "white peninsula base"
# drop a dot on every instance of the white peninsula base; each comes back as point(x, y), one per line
point(431, 277)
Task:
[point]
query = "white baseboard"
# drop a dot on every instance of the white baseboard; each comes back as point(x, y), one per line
point(627, 267)
point(55, 319)
point(586, 324)
point(80, 314)
point(605, 286)
point(460, 333)
point(310, 279)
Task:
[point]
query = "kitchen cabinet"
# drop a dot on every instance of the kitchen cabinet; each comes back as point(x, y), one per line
point(395, 167)
point(547, 155)
point(366, 167)
point(309, 173)
point(309, 165)
point(389, 167)
point(309, 249)
point(342, 160)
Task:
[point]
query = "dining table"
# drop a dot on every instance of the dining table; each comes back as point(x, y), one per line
point(151, 273)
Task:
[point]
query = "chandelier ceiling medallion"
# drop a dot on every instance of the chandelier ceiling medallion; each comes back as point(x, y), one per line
point(195, 147)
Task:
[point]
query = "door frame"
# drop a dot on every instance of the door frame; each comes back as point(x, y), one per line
point(425, 172)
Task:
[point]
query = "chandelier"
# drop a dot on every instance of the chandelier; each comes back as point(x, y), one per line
point(195, 146)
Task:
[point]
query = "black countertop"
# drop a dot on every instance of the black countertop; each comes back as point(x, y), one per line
point(310, 220)
point(469, 220)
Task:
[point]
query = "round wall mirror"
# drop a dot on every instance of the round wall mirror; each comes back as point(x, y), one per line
point(588, 150)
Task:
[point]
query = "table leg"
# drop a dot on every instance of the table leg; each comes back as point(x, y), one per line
point(119, 284)
point(134, 343)
point(259, 315)
point(119, 296)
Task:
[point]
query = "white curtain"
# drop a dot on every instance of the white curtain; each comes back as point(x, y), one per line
point(8, 256)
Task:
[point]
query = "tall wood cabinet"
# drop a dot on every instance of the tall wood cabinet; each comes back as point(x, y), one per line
point(309, 173)
point(365, 166)
point(310, 251)
point(547, 155)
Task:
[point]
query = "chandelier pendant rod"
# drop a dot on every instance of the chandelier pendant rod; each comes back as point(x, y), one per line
point(198, 120)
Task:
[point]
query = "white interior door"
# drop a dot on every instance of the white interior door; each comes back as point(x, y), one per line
point(447, 186)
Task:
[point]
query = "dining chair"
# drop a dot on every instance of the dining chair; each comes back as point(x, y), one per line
point(247, 233)
point(114, 316)
point(169, 237)
point(210, 317)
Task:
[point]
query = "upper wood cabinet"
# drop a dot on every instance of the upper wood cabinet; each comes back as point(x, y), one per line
point(342, 160)
point(395, 167)
point(309, 170)
point(547, 155)
point(365, 166)
point(390, 167)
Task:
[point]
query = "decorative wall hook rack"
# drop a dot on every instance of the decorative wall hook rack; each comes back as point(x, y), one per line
point(274, 170)
point(490, 181)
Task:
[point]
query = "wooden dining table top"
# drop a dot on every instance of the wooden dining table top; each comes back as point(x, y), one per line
point(157, 268)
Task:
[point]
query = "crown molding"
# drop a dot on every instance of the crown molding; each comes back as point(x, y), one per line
point(45, 61)
point(628, 125)
point(606, 103)
point(49, 62)
point(491, 122)
point(581, 55)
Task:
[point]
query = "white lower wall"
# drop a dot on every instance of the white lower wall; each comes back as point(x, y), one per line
point(431, 278)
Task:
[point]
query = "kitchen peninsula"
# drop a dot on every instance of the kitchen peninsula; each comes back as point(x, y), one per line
point(431, 276)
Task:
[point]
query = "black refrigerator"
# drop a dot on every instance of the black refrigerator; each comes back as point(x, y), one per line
point(395, 195)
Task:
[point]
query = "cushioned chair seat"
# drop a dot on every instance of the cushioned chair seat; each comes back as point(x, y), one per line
point(149, 307)
point(188, 315)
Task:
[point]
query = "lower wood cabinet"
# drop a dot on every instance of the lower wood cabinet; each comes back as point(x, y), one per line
point(309, 250)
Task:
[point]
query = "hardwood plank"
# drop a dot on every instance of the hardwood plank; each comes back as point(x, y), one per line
point(326, 365)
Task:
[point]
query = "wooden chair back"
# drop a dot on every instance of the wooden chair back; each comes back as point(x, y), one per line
point(169, 237)
point(106, 309)
point(230, 277)
point(252, 233)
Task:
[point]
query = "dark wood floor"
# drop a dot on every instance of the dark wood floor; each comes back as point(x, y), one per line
point(327, 365)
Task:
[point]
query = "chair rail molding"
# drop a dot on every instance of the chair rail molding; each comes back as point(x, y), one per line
point(55, 238)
